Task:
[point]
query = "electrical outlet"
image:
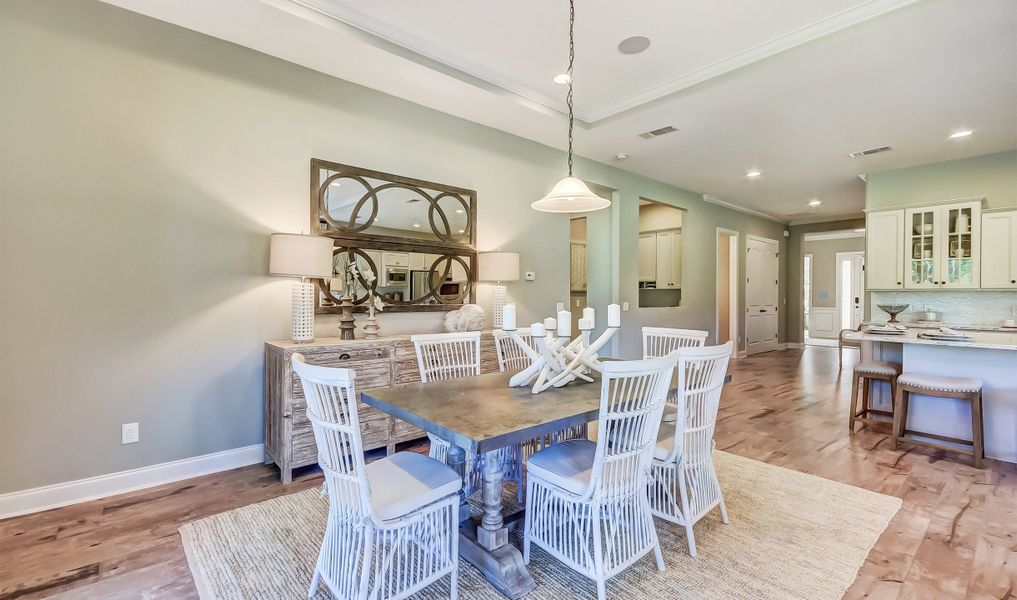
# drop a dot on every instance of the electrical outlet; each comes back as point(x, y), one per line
point(530, 276)
point(129, 433)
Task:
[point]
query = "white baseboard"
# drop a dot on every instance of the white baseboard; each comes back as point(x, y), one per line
point(795, 345)
point(61, 494)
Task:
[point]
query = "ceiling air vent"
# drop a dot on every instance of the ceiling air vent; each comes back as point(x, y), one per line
point(658, 132)
point(870, 151)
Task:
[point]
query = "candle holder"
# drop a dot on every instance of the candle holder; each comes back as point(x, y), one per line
point(347, 324)
point(556, 360)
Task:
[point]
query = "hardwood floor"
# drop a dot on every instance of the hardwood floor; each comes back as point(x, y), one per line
point(955, 537)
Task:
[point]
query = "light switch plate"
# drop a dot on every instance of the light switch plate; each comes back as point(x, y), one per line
point(530, 276)
point(625, 307)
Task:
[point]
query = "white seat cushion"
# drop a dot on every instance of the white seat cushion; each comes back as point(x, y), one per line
point(406, 481)
point(665, 441)
point(568, 465)
point(878, 367)
point(941, 383)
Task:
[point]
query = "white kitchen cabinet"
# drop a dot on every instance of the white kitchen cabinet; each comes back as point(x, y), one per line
point(884, 250)
point(999, 250)
point(647, 257)
point(395, 259)
point(942, 245)
point(668, 259)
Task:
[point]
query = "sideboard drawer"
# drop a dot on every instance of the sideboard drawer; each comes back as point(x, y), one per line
point(370, 373)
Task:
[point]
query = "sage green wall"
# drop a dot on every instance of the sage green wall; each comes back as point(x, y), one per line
point(824, 266)
point(142, 167)
point(993, 176)
point(795, 306)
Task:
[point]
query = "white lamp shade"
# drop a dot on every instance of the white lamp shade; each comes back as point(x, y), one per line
point(498, 266)
point(570, 195)
point(295, 255)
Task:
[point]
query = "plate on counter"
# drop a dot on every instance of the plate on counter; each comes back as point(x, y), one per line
point(884, 331)
point(945, 337)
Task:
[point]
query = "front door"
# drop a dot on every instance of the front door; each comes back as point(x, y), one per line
point(850, 288)
point(761, 286)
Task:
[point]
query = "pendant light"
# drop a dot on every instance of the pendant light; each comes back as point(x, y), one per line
point(570, 195)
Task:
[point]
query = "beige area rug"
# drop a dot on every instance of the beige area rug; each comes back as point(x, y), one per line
point(791, 536)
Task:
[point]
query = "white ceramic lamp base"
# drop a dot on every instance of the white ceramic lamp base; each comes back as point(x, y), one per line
point(499, 297)
point(303, 312)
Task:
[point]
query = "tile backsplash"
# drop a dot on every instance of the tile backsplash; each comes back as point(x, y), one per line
point(958, 307)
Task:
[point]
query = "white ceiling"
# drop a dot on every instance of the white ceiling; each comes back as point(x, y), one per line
point(789, 92)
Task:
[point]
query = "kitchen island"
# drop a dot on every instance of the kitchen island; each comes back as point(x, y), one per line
point(988, 355)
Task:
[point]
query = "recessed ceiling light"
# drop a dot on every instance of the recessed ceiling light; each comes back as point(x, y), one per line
point(859, 230)
point(459, 211)
point(562, 78)
point(416, 224)
point(634, 44)
point(815, 202)
point(753, 174)
point(960, 134)
point(621, 156)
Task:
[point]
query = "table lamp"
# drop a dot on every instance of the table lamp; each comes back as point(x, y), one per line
point(498, 267)
point(303, 256)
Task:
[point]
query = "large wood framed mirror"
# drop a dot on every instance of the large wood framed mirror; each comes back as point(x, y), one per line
point(413, 242)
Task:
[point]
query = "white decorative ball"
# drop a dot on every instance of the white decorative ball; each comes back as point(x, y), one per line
point(468, 318)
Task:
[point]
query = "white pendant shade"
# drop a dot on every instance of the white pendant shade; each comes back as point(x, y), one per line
point(570, 195)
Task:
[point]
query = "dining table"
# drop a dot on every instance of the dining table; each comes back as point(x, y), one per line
point(481, 414)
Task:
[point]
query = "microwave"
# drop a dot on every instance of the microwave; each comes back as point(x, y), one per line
point(450, 290)
point(397, 277)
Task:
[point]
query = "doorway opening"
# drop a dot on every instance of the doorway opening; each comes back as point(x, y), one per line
point(832, 284)
point(727, 288)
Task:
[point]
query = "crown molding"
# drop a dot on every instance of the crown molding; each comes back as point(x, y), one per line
point(832, 235)
point(803, 35)
point(742, 209)
point(326, 15)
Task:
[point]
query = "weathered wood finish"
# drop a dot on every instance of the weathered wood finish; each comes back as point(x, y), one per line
point(289, 441)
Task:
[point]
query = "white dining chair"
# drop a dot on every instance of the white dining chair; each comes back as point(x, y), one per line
point(684, 484)
point(586, 502)
point(393, 525)
point(512, 359)
point(661, 341)
point(444, 356)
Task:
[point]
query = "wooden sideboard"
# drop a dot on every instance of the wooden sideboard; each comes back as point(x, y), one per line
point(289, 441)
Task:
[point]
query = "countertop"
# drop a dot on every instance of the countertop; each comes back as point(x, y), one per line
point(993, 340)
point(957, 326)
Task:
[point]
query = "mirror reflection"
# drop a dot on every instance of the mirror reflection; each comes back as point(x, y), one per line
point(660, 254)
point(356, 203)
point(398, 278)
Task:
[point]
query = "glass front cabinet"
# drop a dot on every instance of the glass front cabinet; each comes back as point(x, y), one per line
point(942, 246)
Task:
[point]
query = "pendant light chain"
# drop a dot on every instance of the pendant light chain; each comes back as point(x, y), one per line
point(572, 60)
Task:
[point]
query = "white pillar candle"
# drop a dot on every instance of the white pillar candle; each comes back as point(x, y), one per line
point(559, 307)
point(585, 324)
point(590, 315)
point(550, 324)
point(537, 330)
point(613, 315)
point(508, 317)
point(564, 324)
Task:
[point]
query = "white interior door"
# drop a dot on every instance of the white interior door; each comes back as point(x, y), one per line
point(761, 285)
